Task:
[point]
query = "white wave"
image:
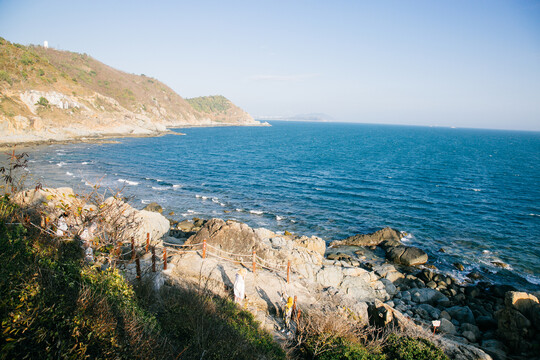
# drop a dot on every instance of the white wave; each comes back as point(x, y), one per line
point(279, 218)
point(198, 196)
point(146, 201)
point(407, 237)
point(531, 214)
point(215, 200)
point(256, 212)
point(239, 210)
point(88, 184)
point(204, 197)
point(61, 163)
point(533, 279)
point(473, 189)
point(486, 252)
point(68, 173)
point(222, 204)
point(192, 212)
point(319, 189)
point(133, 183)
point(160, 188)
point(84, 163)
point(159, 180)
point(176, 186)
point(293, 221)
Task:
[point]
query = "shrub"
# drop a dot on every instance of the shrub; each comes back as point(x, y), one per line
point(43, 102)
point(408, 348)
point(26, 59)
point(4, 76)
point(218, 329)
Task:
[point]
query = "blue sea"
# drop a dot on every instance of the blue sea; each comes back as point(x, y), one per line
point(474, 193)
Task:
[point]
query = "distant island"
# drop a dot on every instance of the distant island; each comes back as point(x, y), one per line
point(313, 117)
point(54, 95)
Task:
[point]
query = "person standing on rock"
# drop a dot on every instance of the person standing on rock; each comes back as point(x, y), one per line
point(239, 286)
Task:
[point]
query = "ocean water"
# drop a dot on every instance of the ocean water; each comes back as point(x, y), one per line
point(475, 193)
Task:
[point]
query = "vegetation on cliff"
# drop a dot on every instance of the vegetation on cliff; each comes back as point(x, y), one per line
point(83, 93)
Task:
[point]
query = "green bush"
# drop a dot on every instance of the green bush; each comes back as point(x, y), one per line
point(26, 59)
point(53, 306)
point(213, 327)
point(4, 76)
point(43, 102)
point(408, 348)
point(210, 104)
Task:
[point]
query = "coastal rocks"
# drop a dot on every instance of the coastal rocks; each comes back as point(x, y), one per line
point(151, 223)
point(447, 327)
point(372, 239)
point(463, 314)
point(406, 255)
point(389, 240)
point(315, 244)
point(233, 236)
point(155, 207)
point(426, 295)
point(518, 322)
point(330, 276)
point(522, 302)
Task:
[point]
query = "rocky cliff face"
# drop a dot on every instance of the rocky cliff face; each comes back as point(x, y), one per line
point(48, 94)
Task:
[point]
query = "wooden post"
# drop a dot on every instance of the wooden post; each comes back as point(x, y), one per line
point(288, 270)
point(147, 242)
point(153, 259)
point(132, 249)
point(298, 312)
point(293, 313)
point(164, 258)
point(254, 261)
point(138, 263)
point(204, 249)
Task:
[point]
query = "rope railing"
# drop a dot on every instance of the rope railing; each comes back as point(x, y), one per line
point(119, 257)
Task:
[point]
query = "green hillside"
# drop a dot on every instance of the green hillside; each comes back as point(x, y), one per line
point(84, 97)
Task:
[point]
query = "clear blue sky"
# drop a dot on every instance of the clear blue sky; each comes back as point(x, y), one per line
point(458, 63)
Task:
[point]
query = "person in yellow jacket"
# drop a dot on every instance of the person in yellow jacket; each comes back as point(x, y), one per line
point(287, 313)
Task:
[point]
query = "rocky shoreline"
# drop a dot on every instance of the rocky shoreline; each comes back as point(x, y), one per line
point(498, 319)
point(395, 289)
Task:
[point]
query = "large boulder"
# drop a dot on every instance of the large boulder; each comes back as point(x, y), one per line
point(231, 236)
point(152, 223)
point(513, 327)
point(330, 276)
point(153, 206)
point(522, 302)
point(463, 314)
point(406, 255)
point(426, 295)
point(313, 243)
point(372, 239)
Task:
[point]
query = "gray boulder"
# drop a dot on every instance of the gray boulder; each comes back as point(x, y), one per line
point(154, 207)
point(406, 255)
point(427, 295)
point(372, 239)
point(462, 314)
point(447, 327)
point(428, 312)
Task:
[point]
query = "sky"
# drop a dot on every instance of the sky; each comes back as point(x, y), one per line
point(462, 63)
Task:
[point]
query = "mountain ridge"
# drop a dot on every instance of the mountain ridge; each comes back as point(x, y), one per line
point(55, 95)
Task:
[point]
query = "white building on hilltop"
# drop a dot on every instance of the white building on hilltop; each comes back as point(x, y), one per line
point(46, 44)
